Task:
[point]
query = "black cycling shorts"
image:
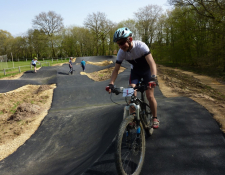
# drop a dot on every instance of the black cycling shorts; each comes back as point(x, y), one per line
point(136, 76)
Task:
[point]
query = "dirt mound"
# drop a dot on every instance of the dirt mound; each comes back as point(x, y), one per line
point(25, 111)
point(102, 75)
point(43, 88)
point(21, 113)
point(102, 63)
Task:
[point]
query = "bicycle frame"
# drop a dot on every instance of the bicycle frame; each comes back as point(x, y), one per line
point(136, 106)
point(135, 102)
point(130, 141)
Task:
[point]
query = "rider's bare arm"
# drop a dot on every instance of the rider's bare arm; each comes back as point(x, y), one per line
point(152, 64)
point(115, 73)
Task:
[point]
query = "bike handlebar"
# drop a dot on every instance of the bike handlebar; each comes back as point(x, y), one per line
point(139, 87)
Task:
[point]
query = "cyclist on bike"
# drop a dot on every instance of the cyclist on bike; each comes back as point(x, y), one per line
point(142, 63)
point(34, 62)
point(70, 66)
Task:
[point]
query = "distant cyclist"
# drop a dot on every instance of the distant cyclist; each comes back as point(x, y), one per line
point(142, 63)
point(70, 66)
point(83, 63)
point(34, 62)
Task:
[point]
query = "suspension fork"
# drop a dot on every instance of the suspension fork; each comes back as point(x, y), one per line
point(137, 108)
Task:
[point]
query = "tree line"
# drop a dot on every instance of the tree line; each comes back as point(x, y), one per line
point(191, 33)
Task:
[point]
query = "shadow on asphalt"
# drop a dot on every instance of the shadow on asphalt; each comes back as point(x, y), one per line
point(63, 73)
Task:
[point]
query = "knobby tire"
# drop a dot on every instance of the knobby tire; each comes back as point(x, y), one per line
point(120, 141)
point(149, 131)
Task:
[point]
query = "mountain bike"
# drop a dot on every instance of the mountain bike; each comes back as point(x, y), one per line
point(130, 141)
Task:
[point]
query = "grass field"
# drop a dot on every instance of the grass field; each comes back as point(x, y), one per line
point(13, 68)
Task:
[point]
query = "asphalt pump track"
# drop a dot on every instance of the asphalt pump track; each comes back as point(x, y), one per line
point(77, 135)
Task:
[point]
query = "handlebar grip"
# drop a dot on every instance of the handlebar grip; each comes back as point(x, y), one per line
point(114, 90)
point(152, 84)
point(107, 88)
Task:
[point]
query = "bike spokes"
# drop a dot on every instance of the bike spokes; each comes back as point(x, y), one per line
point(131, 149)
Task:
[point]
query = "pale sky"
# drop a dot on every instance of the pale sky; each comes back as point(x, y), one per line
point(16, 15)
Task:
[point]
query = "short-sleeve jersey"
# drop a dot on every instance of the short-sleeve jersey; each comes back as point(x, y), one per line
point(70, 62)
point(83, 63)
point(34, 61)
point(136, 56)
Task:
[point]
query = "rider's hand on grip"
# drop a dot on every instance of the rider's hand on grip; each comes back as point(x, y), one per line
point(152, 84)
point(155, 80)
point(109, 88)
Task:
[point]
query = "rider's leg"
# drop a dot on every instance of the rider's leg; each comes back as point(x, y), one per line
point(153, 105)
point(83, 67)
point(132, 109)
point(151, 98)
point(133, 80)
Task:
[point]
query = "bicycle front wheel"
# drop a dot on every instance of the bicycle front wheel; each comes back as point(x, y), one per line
point(148, 118)
point(130, 147)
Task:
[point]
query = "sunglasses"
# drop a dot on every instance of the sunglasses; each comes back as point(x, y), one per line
point(122, 43)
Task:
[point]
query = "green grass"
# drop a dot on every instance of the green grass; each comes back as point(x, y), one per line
point(13, 110)
point(13, 68)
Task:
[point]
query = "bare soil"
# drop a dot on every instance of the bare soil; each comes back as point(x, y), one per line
point(205, 90)
point(102, 75)
point(23, 109)
point(102, 63)
point(21, 113)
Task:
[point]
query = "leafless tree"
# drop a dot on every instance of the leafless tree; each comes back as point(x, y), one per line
point(147, 18)
point(51, 23)
point(100, 26)
point(213, 9)
point(131, 24)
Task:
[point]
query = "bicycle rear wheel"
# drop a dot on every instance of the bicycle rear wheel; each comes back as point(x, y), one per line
point(130, 147)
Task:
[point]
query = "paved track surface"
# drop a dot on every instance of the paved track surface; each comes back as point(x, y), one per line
point(76, 137)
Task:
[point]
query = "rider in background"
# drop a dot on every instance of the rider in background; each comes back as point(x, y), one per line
point(83, 65)
point(70, 66)
point(34, 62)
point(142, 63)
